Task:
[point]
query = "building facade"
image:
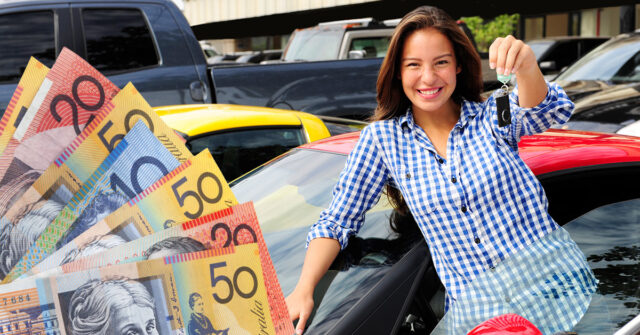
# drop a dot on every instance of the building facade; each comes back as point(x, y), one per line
point(599, 21)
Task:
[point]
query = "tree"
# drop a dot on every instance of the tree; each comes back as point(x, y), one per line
point(486, 33)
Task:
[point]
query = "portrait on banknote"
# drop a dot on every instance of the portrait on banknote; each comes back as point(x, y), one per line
point(96, 245)
point(173, 246)
point(199, 323)
point(103, 204)
point(116, 305)
point(18, 236)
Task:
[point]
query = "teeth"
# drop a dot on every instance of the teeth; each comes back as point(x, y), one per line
point(433, 91)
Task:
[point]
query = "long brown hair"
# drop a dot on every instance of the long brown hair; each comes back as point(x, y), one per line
point(391, 99)
point(392, 102)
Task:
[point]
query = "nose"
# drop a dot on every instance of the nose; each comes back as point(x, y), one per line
point(429, 75)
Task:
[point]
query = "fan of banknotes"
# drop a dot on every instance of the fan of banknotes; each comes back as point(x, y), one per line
point(109, 225)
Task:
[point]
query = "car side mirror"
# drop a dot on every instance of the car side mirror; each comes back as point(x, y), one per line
point(549, 65)
point(357, 54)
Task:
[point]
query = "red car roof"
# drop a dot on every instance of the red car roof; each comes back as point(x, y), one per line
point(553, 150)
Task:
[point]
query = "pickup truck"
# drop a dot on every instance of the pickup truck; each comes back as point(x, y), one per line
point(150, 43)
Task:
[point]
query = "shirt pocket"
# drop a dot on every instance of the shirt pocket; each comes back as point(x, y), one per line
point(418, 186)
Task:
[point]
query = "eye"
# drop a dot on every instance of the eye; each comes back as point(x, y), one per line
point(442, 62)
point(131, 332)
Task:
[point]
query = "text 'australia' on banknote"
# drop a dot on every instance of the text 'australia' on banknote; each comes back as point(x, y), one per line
point(237, 225)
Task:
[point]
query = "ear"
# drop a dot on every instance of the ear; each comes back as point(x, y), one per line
point(458, 69)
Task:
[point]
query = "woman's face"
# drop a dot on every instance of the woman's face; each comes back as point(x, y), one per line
point(198, 306)
point(133, 320)
point(428, 71)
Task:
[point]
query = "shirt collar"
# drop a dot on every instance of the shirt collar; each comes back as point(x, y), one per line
point(469, 110)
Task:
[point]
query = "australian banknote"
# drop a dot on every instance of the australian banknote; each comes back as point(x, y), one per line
point(237, 225)
point(65, 176)
point(195, 188)
point(135, 163)
point(216, 291)
point(68, 99)
point(28, 85)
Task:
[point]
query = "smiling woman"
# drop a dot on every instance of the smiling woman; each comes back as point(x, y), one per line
point(443, 157)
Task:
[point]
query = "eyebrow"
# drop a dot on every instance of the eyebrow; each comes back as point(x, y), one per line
point(438, 57)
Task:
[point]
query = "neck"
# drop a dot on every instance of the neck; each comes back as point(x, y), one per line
point(440, 121)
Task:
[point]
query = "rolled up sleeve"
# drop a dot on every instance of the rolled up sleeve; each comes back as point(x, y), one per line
point(357, 190)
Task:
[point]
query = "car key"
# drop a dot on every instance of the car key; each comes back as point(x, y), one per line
point(502, 102)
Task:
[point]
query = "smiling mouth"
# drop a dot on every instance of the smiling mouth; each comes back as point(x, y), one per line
point(430, 92)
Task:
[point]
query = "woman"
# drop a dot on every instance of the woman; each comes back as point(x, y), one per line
point(199, 324)
point(439, 151)
point(114, 306)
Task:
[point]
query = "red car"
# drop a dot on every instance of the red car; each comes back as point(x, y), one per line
point(382, 283)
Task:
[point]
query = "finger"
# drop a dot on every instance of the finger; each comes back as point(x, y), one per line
point(503, 49)
point(301, 323)
point(493, 50)
point(520, 59)
point(512, 56)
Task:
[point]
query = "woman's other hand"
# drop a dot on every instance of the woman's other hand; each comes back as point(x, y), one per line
point(300, 305)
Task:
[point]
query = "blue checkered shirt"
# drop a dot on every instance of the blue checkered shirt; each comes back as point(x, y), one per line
point(474, 207)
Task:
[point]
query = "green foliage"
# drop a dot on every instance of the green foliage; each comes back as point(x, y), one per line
point(486, 33)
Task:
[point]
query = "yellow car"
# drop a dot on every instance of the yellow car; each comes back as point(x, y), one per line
point(241, 138)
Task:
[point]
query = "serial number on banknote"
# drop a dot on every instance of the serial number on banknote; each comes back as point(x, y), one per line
point(16, 299)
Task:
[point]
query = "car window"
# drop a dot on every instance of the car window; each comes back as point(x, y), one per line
point(118, 40)
point(373, 46)
point(288, 195)
point(615, 61)
point(539, 47)
point(609, 236)
point(314, 45)
point(564, 53)
point(20, 41)
point(237, 152)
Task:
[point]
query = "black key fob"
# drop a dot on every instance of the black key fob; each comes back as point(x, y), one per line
point(503, 109)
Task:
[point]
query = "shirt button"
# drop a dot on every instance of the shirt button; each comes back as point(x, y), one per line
point(454, 180)
point(477, 240)
point(440, 160)
point(463, 209)
point(408, 175)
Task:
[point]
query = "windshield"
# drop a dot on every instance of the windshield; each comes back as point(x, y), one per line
point(615, 61)
point(314, 44)
point(539, 47)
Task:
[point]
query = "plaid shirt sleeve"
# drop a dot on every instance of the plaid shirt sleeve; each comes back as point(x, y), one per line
point(357, 190)
point(556, 108)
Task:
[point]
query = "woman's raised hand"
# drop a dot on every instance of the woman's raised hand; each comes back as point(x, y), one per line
point(510, 55)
